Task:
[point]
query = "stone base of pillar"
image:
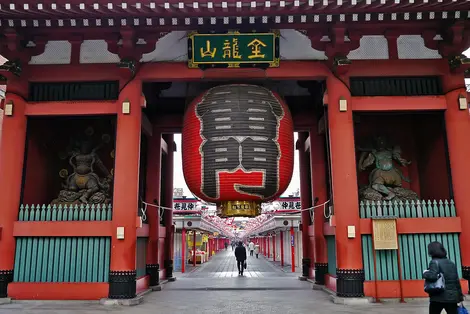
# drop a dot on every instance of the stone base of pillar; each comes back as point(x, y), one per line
point(6, 276)
point(152, 270)
point(306, 263)
point(122, 284)
point(350, 283)
point(168, 264)
point(321, 269)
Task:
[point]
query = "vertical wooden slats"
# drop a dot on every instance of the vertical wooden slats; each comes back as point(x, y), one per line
point(62, 259)
point(413, 209)
point(141, 256)
point(413, 254)
point(331, 247)
point(65, 213)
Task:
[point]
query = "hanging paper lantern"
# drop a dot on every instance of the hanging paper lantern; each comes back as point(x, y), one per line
point(238, 148)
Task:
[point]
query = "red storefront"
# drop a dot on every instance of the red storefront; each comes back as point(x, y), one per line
point(96, 90)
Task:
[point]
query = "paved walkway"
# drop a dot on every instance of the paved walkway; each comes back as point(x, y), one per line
point(215, 287)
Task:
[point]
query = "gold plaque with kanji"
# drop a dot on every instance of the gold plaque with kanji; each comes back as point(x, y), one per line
point(384, 233)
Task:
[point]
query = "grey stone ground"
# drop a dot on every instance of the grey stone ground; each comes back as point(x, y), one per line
point(216, 287)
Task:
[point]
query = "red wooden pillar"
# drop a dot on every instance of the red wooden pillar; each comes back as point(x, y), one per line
point(305, 200)
point(292, 247)
point(183, 250)
point(168, 190)
point(122, 276)
point(194, 248)
point(458, 130)
point(281, 235)
point(274, 247)
point(350, 272)
point(318, 170)
point(11, 173)
point(154, 158)
point(265, 238)
point(269, 247)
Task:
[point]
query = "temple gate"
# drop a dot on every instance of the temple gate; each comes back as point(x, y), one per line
point(96, 92)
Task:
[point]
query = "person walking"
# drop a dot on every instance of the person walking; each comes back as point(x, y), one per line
point(450, 293)
point(240, 255)
point(256, 250)
point(251, 247)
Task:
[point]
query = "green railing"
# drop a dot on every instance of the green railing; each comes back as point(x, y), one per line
point(413, 254)
point(65, 213)
point(413, 209)
point(62, 259)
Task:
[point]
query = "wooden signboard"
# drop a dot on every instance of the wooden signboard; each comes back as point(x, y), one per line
point(233, 49)
point(385, 234)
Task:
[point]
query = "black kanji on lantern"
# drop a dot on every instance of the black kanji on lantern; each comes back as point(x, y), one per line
point(240, 125)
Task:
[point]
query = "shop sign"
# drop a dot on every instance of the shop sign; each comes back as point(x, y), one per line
point(233, 50)
point(184, 204)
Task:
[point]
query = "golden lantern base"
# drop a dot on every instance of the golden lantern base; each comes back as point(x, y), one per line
point(238, 209)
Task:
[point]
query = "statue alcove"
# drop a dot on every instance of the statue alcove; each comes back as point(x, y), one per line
point(418, 138)
point(53, 150)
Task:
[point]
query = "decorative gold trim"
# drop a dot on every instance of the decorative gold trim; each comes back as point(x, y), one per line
point(276, 32)
point(275, 63)
point(191, 34)
point(239, 209)
point(192, 65)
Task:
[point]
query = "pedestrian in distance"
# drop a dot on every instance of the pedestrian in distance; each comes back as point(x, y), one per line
point(251, 247)
point(442, 281)
point(256, 250)
point(240, 255)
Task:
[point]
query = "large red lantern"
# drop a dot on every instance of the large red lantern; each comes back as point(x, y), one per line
point(238, 148)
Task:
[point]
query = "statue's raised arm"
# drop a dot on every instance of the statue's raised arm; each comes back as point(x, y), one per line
point(365, 160)
point(396, 153)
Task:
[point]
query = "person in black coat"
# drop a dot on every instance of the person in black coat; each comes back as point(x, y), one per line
point(452, 294)
point(240, 255)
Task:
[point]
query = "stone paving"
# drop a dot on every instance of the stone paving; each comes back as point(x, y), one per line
point(215, 287)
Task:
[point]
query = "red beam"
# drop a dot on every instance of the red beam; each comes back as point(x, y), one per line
point(391, 288)
point(173, 71)
point(58, 290)
point(179, 71)
point(419, 225)
point(398, 67)
point(63, 229)
point(143, 232)
point(399, 103)
point(329, 230)
point(65, 108)
point(142, 284)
